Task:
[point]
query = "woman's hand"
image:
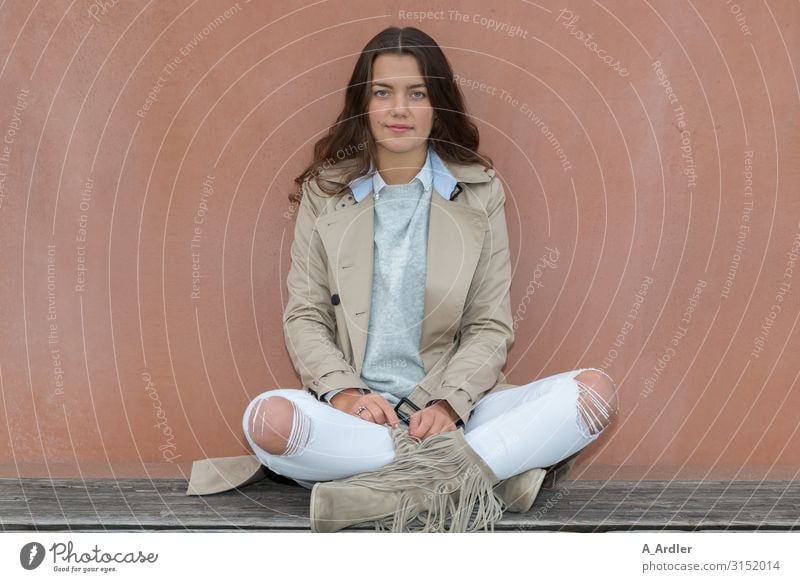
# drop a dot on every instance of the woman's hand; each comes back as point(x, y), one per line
point(433, 419)
point(378, 409)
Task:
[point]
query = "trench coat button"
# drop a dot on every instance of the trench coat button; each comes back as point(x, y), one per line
point(335, 299)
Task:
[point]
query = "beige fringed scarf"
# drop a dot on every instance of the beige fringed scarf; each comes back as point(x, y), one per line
point(440, 483)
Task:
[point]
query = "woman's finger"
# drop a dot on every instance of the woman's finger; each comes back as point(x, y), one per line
point(424, 423)
point(365, 414)
point(441, 423)
point(437, 427)
point(389, 415)
point(375, 411)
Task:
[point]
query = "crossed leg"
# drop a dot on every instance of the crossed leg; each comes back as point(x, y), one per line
point(528, 426)
point(299, 437)
point(543, 422)
point(598, 402)
point(272, 425)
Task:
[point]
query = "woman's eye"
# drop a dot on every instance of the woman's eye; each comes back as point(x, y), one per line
point(416, 94)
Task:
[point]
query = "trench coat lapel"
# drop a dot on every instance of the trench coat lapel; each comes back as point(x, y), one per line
point(455, 239)
point(347, 236)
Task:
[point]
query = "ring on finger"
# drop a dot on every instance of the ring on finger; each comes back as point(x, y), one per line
point(360, 410)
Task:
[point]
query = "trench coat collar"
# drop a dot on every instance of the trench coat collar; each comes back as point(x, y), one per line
point(460, 173)
point(455, 240)
point(433, 173)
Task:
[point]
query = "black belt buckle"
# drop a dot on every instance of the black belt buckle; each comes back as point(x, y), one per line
point(404, 417)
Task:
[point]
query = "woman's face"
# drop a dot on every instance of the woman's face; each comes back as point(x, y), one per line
point(399, 98)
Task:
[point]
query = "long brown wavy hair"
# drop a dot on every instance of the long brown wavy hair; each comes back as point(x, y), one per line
point(453, 135)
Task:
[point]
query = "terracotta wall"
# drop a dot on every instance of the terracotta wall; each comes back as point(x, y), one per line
point(650, 153)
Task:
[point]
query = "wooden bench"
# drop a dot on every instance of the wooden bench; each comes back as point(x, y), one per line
point(278, 504)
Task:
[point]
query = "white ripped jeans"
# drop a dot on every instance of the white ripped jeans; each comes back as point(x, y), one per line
point(534, 425)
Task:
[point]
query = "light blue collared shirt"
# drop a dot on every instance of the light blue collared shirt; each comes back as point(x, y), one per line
point(392, 363)
point(434, 173)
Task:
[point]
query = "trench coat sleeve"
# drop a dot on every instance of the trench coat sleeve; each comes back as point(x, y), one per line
point(487, 330)
point(309, 320)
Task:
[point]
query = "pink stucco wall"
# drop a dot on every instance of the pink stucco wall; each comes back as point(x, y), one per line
point(653, 209)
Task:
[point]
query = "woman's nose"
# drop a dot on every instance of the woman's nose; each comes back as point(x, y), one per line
point(399, 104)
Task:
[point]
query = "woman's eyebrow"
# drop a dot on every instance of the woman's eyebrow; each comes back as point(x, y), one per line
point(392, 86)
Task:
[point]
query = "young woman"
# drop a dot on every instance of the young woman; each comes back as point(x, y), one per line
point(398, 317)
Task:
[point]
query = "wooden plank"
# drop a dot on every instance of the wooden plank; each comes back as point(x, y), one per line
point(280, 505)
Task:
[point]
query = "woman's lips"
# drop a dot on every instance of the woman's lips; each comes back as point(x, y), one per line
point(398, 129)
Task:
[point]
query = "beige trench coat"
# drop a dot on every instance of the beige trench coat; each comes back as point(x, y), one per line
point(467, 328)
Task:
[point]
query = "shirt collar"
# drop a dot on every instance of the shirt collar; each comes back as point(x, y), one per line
point(433, 174)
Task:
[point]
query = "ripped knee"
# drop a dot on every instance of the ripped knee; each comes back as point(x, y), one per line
point(598, 402)
point(279, 426)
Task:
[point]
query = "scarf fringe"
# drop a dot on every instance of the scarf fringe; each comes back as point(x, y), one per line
point(439, 473)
